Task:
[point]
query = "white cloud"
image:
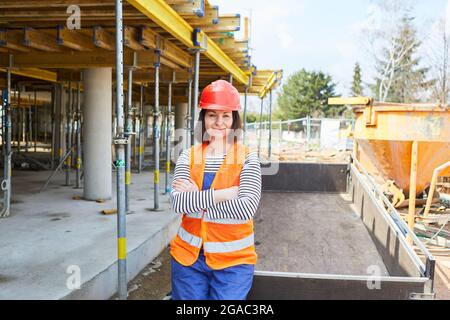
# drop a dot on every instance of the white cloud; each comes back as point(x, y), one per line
point(285, 37)
point(286, 40)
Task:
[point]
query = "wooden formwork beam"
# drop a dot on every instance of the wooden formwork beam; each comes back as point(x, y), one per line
point(74, 39)
point(137, 39)
point(189, 8)
point(221, 35)
point(76, 61)
point(39, 40)
point(150, 39)
point(103, 39)
point(13, 4)
point(211, 16)
point(226, 23)
point(33, 73)
point(161, 13)
point(12, 39)
point(233, 46)
point(131, 38)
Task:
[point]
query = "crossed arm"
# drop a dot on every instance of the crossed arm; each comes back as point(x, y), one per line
point(231, 203)
point(183, 185)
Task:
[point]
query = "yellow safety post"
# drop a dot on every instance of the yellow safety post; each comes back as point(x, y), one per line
point(412, 188)
point(433, 187)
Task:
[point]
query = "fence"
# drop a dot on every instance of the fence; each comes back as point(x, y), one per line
point(300, 136)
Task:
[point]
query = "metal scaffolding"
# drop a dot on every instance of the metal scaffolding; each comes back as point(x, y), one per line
point(156, 132)
point(120, 142)
point(151, 58)
point(6, 141)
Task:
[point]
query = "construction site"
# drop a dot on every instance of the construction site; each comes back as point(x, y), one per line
point(99, 98)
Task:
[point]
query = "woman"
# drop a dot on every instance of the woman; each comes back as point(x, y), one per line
point(217, 188)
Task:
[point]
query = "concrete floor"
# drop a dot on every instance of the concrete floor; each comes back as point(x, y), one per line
point(312, 233)
point(48, 232)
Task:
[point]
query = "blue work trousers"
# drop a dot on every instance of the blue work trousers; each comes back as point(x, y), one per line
point(200, 282)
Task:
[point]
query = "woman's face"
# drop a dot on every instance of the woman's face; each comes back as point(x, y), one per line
point(218, 123)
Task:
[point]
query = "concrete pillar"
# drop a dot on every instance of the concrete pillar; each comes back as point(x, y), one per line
point(149, 124)
point(181, 111)
point(97, 138)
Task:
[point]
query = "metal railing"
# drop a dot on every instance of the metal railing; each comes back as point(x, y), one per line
point(305, 134)
point(403, 231)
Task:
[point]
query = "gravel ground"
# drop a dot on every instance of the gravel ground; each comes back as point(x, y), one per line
point(153, 282)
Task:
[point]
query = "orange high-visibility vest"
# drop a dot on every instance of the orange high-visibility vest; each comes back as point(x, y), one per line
point(225, 242)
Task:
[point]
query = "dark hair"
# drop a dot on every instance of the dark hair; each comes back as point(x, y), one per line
point(236, 126)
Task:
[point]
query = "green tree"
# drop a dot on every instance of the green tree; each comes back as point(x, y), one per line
point(306, 93)
point(400, 79)
point(357, 88)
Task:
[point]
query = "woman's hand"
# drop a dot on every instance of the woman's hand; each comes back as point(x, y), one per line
point(226, 194)
point(183, 185)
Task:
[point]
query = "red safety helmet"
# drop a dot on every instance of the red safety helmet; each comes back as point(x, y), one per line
point(220, 95)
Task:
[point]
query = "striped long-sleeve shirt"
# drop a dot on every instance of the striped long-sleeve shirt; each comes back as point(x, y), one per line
point(241, 208)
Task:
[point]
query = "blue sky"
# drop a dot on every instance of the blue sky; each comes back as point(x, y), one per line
point(318, 34)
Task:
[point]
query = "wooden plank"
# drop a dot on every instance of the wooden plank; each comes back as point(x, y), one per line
point(61, 13)
point(13, 4)
point(175, 54)
point(131, 38)
point(190, 8)
point(150, 39)
point(103, 39)
point(74, 39)
point(170, 64)
point(76, 60)
point(234, 47)
point(172, 2)
point(227, 23)
point(12, 39)
point(211, 16)
point(39, 40)
point(219, 35)
point(33, 73)
point(225, 42)
point(350, 101)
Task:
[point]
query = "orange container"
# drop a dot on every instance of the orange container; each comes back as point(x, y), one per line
point(384, 133)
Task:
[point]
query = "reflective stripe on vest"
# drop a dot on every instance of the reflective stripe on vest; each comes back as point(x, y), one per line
point(190, 238)
point(224, 221)
point(221, 238)
point(223, 247)
point(196, 215)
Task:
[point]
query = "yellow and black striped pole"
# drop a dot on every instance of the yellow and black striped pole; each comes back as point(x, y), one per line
point(156, 132)
point(120, 142)
point(168, 126)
